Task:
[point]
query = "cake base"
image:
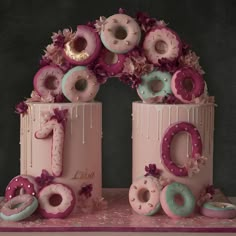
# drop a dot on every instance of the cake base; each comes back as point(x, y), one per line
point(119, 217)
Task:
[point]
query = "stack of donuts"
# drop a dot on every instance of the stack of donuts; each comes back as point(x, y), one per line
point(141, 51)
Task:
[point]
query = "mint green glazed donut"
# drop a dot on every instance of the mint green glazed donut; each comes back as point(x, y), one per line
point(169, 204)
point(146, 89)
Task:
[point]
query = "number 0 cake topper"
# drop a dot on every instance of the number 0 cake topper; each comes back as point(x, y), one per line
point(134, 49)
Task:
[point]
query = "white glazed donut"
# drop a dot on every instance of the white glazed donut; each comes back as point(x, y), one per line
point(56, 201)
point(121, 33)
point(80, 85)
point(57, 130)
point(162, 42)
point(144, 195)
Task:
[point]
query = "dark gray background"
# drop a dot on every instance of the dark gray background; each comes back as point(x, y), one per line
point(210, 27)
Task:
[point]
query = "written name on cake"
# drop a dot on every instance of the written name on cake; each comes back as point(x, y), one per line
point(79, 174)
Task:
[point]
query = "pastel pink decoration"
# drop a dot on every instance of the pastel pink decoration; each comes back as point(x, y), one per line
point(56, 201)
point(47, 81)
point(120, 33)
point(80, 85)
point(84, 47)
point(19, 208)
point(83, 130)
point(111, 62)
point(160, 43)
point(220, 210)
point(150, 122)
point(144, 195)
point(187, 85)
point(166, 144)
point(21, 184)
point(56, 129)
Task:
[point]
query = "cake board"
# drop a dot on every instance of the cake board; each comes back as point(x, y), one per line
point(119, 219)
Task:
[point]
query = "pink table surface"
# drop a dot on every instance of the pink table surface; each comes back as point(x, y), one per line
point(119, 217)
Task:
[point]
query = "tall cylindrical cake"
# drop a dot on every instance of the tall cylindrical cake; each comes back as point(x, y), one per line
point(180, 128)
point(80, 148)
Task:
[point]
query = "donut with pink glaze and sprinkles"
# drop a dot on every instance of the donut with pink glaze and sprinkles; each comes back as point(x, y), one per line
point(112, 63)
point(120, 34)
point(166, 144)
point(160, 43)
point(80, 85)
point(21, 184)
point(187, 84)
point(144, 195)
point(48, 81)
point(56, 201)
point(19, 208)
point(84, 47)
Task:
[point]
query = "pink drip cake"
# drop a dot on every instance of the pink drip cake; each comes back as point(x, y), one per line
point(61, 123)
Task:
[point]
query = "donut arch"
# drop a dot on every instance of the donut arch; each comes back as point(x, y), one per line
point(166, 144)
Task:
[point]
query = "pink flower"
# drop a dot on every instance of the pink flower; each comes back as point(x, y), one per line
point(171, 99)
point(161, 23)
point(99, 25)
point(21, 108)
point(206, 194)
point(152, 170)
point(61, 37)
point(60, 115)
point(86, 190)
point(191, 60)
point(167, 65)
point(146, 23)
point(193, 164)
point(44, 179)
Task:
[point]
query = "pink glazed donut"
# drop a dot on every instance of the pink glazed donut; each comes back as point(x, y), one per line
point(19, 208)
point(144, 196)
point(121, 33)
point(19, 184)
point(56, 201)
point(111, 62)
point(162, 43)
point(48, 80)
point(187, 84)
point(84, 47)
point(221, 210)
point(80, 84)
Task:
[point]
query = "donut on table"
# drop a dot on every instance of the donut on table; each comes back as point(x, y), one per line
point(19, 208)
point(80, 85)
point(160, 43)
point(177, 200)
point(155, 84)
point(111, 62)
point(56, 201)
point(166, 143)
point(187, 84)
point(220, 210)
point(121, 33)
point(144, 195)
point(19, 184)
point(48, 80)
point(84, 47)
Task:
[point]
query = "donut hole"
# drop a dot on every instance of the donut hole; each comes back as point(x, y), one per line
point(144, 195)
point(120, 33)
point(188, 84)
point(81, 85)
point(79, 44)
point(51, 82)
point(178, 199)
point(55, 199)
point(161, 47)
point(110, 58)
point(156, 86)
point(178, 148)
